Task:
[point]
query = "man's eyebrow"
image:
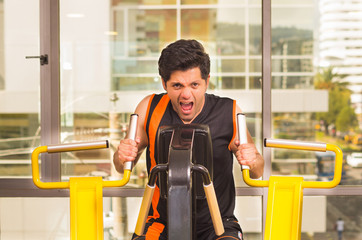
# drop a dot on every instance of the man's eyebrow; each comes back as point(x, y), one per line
point(176, 82)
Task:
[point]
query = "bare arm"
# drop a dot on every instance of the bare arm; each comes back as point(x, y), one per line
point(247, 154)
point(129, 150)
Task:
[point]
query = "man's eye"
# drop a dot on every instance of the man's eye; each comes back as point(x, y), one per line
point(195, 84)
point(177, 85)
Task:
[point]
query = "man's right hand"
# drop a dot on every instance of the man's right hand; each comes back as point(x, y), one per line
point(127, 150)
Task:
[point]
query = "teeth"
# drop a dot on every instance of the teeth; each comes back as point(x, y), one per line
point(186, 106)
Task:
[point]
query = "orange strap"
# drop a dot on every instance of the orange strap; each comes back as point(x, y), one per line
point(152, 131)
point(154, 231)
point(148, 111)
point(234, 125)
point(153, 126)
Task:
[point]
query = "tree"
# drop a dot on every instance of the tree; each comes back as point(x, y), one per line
point(338, 99)
point(346, 119)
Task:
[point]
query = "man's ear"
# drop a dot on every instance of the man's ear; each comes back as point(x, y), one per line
point(164, 84)
point(207, 81)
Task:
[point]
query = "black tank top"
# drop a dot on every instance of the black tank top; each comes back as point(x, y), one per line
point(218, 113)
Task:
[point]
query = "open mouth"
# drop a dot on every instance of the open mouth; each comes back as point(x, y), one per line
point(187, 107)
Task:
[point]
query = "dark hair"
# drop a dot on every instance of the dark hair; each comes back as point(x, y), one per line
point(183, 55)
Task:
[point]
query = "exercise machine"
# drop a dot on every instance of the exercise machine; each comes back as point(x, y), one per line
point(86, 193)
point(285, 196)
point(183, 175)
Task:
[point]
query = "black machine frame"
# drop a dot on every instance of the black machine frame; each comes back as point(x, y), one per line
point(183, 176)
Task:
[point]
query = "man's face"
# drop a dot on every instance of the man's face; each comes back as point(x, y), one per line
point(186, 90)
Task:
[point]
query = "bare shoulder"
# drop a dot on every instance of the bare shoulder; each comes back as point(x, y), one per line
point(141, 111)
point(142, 106)
point(238, 109)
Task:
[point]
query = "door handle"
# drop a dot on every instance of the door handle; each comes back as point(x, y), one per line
point(43, 58)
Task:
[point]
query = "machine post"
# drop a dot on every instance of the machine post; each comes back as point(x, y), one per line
point(179, 187)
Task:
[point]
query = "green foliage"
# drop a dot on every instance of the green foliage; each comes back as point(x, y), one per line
point(346, 119)
point(340, 113)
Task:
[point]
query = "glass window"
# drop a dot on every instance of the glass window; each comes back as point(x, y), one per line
point(199, 1)
point(300, 57)
point(134, 66)
point(287, 2)
point(109, 53)
point(321, 214)
point(136, 47)
point(142, 2)
point(149, 31)
point(47, 218)
point(255, 82)
point(35, 214)
point(292, 82)
point(250, 216)
point(233, 83)
point(118, 34)
point(19, 90)
point(86, 99)
point(293, 65)
point(232, 65)
point(222, 29)
point(255, 31)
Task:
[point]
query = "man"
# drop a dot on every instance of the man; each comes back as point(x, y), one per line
point(339, 227)
point(184, 68)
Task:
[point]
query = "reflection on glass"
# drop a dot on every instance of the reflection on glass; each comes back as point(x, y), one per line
point(118, 34)
point(199, 1)
point(307, 62)
point(223, 29)
point(255, 65)
point(152, 31)
point(249, 214)
point(289, 2)
point(232, 65)
point(292, 82)
point(294, 126)
point(255, 30)
point(136, 83)
point(292, 65)
point(19, 87)
point(321, 213)
point(135, 66)
point(294, 60)
point(233, 83)
point(204, 30)
point(20, 134)
point(255, 82)
point(2, 40)
point(142, 2)
point(315, 166)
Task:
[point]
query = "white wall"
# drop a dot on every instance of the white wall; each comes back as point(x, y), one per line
point(34, 218)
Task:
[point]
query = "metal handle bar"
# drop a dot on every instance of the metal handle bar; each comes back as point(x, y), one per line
point(292, 144)
point(67, 147)
point(70, 147)
point(307, 146)
point(242, 133)
point(131, 135)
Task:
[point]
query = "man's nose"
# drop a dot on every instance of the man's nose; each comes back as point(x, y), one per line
point(186, 93)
